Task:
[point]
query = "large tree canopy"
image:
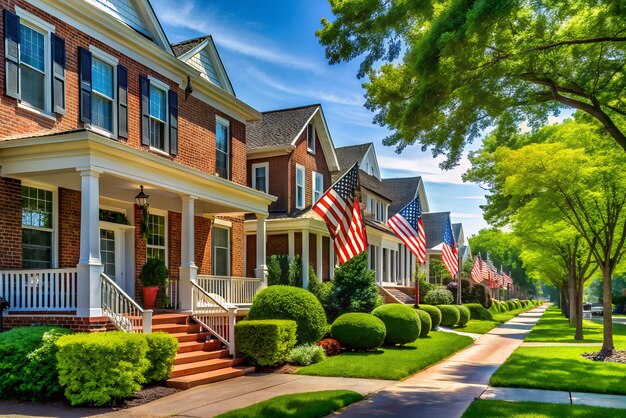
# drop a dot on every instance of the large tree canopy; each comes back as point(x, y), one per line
point(470, 64)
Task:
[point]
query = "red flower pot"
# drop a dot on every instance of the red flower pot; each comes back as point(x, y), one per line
point(149, 296)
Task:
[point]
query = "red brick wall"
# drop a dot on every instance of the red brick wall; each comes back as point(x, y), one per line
point(10, 223)
point(140, 254)
point(237, 249)
point(196, 118)
point(174, 220)
point(69, 227)
point(75, 323)
point(202, 244)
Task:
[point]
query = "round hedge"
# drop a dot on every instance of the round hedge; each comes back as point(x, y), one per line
point(450, 315)
point(503, 306)
point(288, 302)
point(359, 331)
point(401, 322)
point(434, 312)
point(464, 315)
point(478, 311)
point(512, 306)
point(426, 322)
point(439, 296)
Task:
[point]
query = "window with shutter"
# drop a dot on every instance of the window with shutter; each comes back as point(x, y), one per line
point(222, 147)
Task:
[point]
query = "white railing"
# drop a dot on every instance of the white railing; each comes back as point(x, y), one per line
point(39, 290)
point(121, 309)
point(215, 314)
point(171, 291)
point(235, 290)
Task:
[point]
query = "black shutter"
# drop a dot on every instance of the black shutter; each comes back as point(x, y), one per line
point(84, 69)
point(11, 55)
point(58, 74)
point(122, 101)
point(173, 110)
point(144, 84)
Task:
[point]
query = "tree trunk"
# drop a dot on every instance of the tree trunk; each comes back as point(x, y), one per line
point(563, 301)
point(571, 289)
point(579, 310)
point(607, 341)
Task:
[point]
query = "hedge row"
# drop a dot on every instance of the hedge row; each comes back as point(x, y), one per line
point(265, 342)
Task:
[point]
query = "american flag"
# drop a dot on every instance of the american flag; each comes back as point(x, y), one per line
point(450, 255)
point(339, 208)
point(477, 270)
point(409, 227)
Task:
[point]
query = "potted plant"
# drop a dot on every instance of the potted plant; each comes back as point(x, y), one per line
point(153, 275)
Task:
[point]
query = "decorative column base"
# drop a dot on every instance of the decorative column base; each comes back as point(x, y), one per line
point(186, 274)
point(88, 303)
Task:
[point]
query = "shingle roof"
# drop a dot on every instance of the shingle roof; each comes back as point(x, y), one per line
point(372, 183)
point(456, 231)
point(401, 191)
point(349, 155)
point(278, 127)
point(434, 227)
point(181, 48)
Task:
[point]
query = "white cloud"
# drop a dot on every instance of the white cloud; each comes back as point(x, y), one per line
point(423, 164)
point(462, 215)
point(472, 197)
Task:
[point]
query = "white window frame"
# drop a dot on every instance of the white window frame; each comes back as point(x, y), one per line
point(158, 84)
point(314, 176)
point(266, 167)
point(222, 121)
point(308, 137)
point(300, 205)
point(99, 54)
point(228, 230)
point(163, 213)
point(30, 20)
point(55, 219)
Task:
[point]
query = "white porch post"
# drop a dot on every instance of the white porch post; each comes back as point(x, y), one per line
point(319, 256)
point(331, 259)
point(305, 258)
point(261, 241)
point(413, 265)
point(379, 264)
point(388, 265)
point(427, 268)
point(89, 266)
point(291, 244)
point(402, 265)
point(188, 269)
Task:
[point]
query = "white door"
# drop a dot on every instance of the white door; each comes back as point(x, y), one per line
point(112, 254)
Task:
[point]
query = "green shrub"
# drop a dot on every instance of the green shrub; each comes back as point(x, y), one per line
point(439, 296)
point(265, 342)
point(153, 273)
point(322, 291)
point(450, 315)
point(503, 307)
point(434, 312)
point(464, 315)
point(511, 305)
point(162, 348)
point(306, 354)
point(424, 286)
point(359, 331)
point(96, 369)
point(287, 302)
point(478, 311)
point(518, 304)
point(278, 270)
point(402, 323)
point(425, 321)
point(28, 363)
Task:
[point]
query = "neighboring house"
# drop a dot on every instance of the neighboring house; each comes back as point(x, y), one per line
point(291, 155)
point(465, 251)
point(434, 227)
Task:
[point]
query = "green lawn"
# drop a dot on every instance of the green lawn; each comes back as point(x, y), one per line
point(392, 363)
point(560, 368)
point(301, 405)
point(504, 317)
point(478, 326)
point(499, 409)
point(554, 327)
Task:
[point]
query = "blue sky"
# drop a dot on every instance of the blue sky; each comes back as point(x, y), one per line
point(274, 61)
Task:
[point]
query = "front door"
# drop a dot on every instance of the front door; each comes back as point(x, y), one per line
point(111, 254)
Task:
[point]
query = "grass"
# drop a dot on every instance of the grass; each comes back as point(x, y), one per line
point(301, 405)
point(393, 363)
point(506, 316)
point(498, 409)
point(560, 368)
point(479, 326)
point(554, 327)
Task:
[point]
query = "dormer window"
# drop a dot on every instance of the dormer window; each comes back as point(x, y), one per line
point(310, 138)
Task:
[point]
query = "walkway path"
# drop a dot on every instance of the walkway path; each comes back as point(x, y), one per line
point(554, 396)
point(448, 388)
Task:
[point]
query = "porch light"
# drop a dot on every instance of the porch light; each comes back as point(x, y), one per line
point(141, 199)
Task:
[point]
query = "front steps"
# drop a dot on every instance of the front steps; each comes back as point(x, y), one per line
point(400, 296)
point(200, 359)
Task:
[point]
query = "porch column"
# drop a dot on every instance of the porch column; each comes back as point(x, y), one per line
point(305, 259)
point(388, 265)
point(427, 268)
point(402, 265)
point(291, 245)
point(379, 264)
point(188, 269)
point(331, 258)
point(89, 266)
point(261, 242)
point(319, 256)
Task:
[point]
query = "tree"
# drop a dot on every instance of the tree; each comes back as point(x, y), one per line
point(471, 64)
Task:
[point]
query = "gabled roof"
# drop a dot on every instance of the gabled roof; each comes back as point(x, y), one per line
point(434, 227)
point(181, 48)
point(352, 154)
point(373, 184)
point(457, 228)
point(401, 191)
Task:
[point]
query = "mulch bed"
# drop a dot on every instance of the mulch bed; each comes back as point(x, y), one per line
point(145, 395)
point(617, 356)
point(282, 369)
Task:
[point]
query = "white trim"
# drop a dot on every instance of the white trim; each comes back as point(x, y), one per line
point(300, 168)
point(37, 111)
point(159, 151)
point(55, 217)
point(222, 222)
point(164, 214)
point(100, 55)
point(314, 176)
point(224, 122)
point(103, 56)
point(214, 247)
point(209, 45)
point(266, 166)
point(158, 83)
point(23, 14)
point(309, 149)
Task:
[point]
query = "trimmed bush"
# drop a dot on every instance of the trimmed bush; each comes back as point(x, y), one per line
point(162, 348)
point(425, 321)
point(28, 365)
point(359, 331)
point(511, 305)
point(265, 342)
point(434, 312)
point(450, 315)
point(330, 346)
point(464, 315)
point(96, 369)
point(306, 354)
point(503, 307)
point(402, 323)
point(439, 296)
point(287, 302)
point(478, 311)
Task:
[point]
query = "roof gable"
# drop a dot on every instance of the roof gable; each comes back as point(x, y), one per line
point(362, 154)
point(434, 227)
point(403, 190)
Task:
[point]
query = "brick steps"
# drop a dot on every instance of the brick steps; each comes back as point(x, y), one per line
point(196, 356)
point(203, 366)
point(188, 382)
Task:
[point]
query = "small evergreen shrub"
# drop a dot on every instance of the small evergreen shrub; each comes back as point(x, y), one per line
point(503, 307)
point(288, 302)
point(425, 321)
point(322, 291)
point(402, 323)
point(330, 346)
point(439, 296)
point(265, 342)
point(359, 331)
point(478, 311)
point(306, 354)
point(450, 315)
point(464, 315)
point(154, 273)
point(434, 312)
point(95, 369)
point(162, 348)
point(511, 305)
point(278, 270)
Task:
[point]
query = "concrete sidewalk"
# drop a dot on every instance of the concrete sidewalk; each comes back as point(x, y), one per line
point(448, 388)
point(554, 396)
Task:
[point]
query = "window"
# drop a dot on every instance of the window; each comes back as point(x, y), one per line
point(220, 244)
point(310, 138)
point(156, 244)
point(103, 99)
point(37, 228)
point(300, 184)
point(34, 66)
point(260, 177)
point(222, 147)
point(107, 252)
point(158, 117)
point(317, 184)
